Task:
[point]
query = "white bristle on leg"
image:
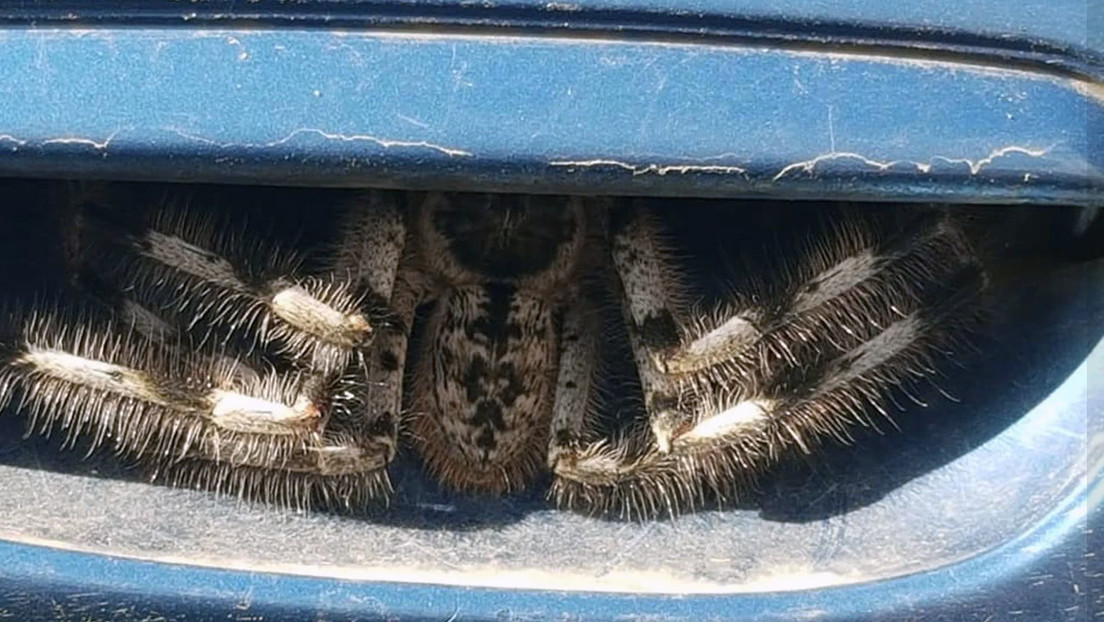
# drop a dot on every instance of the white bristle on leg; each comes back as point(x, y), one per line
point(745, 416)
point(90, 373)
point(231, 410)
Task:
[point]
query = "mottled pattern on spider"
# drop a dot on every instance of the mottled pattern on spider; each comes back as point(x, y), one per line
point(212, 357)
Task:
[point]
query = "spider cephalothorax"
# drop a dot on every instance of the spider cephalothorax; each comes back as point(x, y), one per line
point(223, 361)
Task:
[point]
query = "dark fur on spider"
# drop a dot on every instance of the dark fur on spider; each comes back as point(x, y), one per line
point(221, 361)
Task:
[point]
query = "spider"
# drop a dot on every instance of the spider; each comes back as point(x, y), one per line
point(195, 345)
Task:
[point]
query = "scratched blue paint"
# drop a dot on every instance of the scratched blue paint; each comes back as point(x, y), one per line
point(1064, 34)
point(343, 108)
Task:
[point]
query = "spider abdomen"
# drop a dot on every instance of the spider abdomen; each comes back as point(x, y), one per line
point(485, 383)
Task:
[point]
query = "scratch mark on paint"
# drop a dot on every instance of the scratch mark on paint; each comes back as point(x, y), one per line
point(98, 145)
point(382, 142)
point(975, 166)
point(650, 169)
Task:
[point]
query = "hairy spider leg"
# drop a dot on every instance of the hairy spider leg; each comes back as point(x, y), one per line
point(348, 466)
point(654, 299)
point(574, 408)
point(203, 272)
point(611, 475)
point(343, 460)
point(370, 256)
point(370, 250)
point(865, 314)
point(92, 378)
point(191, 418)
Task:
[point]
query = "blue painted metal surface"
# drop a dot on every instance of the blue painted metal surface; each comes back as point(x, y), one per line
point(326, 107)
point(1062, 35)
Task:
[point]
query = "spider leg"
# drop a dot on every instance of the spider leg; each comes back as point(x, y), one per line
point(653, 304)
point(343, 465)
point(835, 296)
point(382, 403)
point(92, 378)
point(370, 252)
point(373, 257)
point(862, 315)
point(336, 470)
point(572, 409)
point(200, 271)
point(346, 463)
point(192, 417)
point(315, 417)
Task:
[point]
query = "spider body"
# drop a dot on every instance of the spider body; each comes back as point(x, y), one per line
point(500, 270)
point(221, 361)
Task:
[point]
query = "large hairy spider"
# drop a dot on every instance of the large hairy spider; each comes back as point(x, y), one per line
point(201, 349)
